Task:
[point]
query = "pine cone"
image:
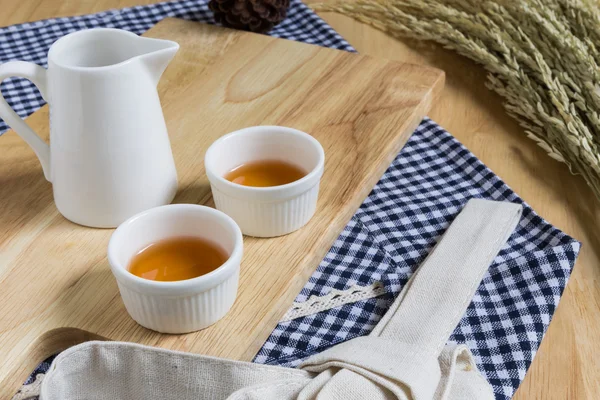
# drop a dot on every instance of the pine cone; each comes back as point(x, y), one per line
point(249, 15)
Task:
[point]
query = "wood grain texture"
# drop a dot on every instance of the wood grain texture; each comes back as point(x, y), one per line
point(566, 366)
point(56, 287)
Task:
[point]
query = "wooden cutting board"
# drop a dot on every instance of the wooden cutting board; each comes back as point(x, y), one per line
point(56, 288)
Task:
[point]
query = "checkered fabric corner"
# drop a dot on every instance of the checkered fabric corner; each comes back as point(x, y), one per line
point(391, 234)
point(31, 41)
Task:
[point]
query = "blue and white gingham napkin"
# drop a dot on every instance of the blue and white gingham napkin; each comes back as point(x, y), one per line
point(417, 198)
point(391, 233)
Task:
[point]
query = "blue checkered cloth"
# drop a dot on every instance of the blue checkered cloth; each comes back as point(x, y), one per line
point(391, 233)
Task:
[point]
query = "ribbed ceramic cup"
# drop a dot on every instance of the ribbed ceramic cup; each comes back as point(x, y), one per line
point(266, 211)
point(177, 306)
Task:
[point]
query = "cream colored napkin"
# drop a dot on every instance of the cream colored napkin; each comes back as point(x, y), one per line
point(404, 358)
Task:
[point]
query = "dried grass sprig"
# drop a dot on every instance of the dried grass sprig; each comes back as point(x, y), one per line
point(542, 57)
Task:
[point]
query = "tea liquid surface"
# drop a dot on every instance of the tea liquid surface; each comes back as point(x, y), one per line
point(265, 173)
point(177, 259)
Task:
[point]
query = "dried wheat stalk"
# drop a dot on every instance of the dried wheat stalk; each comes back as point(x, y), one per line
point(542, 57)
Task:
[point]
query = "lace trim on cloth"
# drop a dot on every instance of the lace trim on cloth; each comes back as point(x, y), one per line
point(31, 391)
point(335, 298)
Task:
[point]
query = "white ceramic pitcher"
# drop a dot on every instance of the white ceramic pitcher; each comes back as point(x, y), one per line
point(109, 155)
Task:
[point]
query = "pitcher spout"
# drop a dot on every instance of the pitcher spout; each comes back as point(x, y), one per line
point(107, 48)
point(156, 55)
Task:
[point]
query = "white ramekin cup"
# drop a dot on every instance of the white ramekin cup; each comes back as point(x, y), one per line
point(266, 211)
point(177, 306)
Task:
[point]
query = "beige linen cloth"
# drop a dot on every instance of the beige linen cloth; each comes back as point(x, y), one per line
point(405, 357)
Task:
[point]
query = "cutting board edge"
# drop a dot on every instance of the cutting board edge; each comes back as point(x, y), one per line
point(224, 30)
point(45, 345)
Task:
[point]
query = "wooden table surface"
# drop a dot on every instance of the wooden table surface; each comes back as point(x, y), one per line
point(567, 365)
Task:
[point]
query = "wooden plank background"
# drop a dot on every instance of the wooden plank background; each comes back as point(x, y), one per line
point(567, 365)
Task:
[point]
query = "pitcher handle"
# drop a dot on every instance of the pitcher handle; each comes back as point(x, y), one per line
point(37, 75)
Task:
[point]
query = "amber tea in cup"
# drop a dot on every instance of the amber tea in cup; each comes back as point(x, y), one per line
point(266, 178)
point(265, 173)
point(177, 259)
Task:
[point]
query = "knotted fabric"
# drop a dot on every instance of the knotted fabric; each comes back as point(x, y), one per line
point(404, 358)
